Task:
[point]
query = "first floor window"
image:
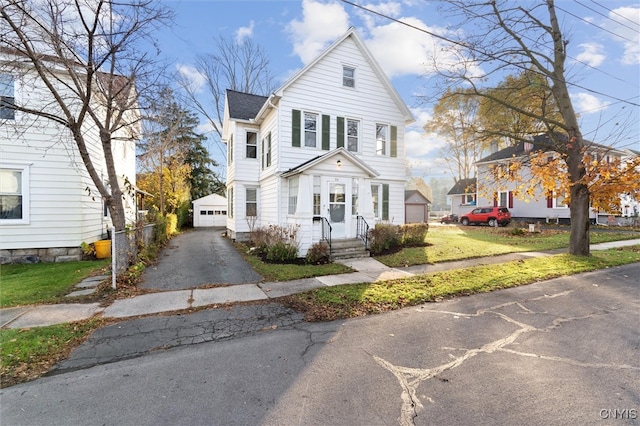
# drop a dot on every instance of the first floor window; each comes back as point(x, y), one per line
point(316, 195)
point(469, 199)
point(230, 154)
point(504, 199)
point(230, 201)
point(252, 202)
point(293, 195)
point(14, 199)
point(252, 145)
point(354, 197)
point(375, 197)
point(7, 100)
point(381, 139)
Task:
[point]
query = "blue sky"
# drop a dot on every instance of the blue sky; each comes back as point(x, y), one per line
point(604, 53)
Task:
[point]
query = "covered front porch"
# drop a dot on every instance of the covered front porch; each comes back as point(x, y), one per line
point(330, 199)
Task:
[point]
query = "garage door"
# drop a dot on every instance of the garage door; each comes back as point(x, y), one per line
point(415, 213)
point(210, 216)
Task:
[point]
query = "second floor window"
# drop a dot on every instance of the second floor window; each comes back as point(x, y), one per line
point(310, 129)
point(252, 145)
point(230, 153)
point(352, 135)
point(7, 99)
point(266, 151)
point(381, 139)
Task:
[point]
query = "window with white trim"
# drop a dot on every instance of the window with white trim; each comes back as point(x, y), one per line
point(382, 132)
point(375, 197)
point(266, 151)
point(230, 153)
point(348, 76)
point(251, 202)
point(316, 195)
point(353, 129)
point(503, 199)
point(310, 129)
point(230, 201)
point(293, 194)
point(252, 145)
point(14, 194)
point(7, 97)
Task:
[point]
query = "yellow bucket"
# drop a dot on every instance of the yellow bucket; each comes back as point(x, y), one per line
point(103, 249)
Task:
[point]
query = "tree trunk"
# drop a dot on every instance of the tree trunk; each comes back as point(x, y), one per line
point(579, 238)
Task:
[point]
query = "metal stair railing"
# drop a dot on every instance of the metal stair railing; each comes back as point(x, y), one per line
point(362, 231)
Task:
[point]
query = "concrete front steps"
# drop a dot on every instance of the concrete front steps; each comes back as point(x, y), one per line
point(352, 248)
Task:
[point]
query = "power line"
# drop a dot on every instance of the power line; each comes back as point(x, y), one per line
point(488, 55)
point(615, 13)
point(608, 17)
point(591, 23)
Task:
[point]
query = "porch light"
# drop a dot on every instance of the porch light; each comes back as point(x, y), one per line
point(339, 163)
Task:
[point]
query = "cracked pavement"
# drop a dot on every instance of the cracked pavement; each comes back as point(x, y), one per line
point(563, 351)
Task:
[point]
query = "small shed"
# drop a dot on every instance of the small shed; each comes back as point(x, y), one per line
point(416, 207)
point(210, 211)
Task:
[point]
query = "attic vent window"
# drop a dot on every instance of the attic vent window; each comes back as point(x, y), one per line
point(348, 76)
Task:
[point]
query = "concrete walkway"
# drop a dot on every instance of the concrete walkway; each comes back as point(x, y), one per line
point(367, 270)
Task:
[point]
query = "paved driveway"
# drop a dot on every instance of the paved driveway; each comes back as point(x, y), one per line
point(196, 258)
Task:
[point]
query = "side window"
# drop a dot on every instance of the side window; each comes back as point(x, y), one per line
point(230, 149)
point(381, 139)
point(293, 194)
point(266, 151)
point(14, 194)
point(375, 197)
point(252, 145)
point(251, 202)
point(348, 76)
point(7, 99)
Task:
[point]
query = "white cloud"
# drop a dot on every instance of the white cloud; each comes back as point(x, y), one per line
point(418, 143)
point(191, 75)
point(592, 54)
point(243, 33)
point(586, 103)
point(321, 24)
point(625, 29)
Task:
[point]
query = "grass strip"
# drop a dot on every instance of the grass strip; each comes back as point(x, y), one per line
point(449, 243)
point(325, 304)
point(26, 284)
point(27, 353)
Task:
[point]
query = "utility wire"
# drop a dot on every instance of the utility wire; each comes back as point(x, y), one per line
point(490, 56)
point(591, 23)
point(608, 17)
point(615, 13)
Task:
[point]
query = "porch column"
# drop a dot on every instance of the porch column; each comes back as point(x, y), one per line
point(365, 202)
point(305, 196)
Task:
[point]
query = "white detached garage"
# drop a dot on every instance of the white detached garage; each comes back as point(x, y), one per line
point(210, 211)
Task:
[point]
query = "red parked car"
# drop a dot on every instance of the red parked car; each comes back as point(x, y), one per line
point(450, 218)
point(490, 215)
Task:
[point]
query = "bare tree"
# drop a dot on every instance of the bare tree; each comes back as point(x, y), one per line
point(90, 58)
point(507, 38)
point(237, 65)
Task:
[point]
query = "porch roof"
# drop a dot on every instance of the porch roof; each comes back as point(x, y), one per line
point(325, 157)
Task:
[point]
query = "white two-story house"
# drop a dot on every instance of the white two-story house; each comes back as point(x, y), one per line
point(324, 153)
point(49, 205)
point(547, 207)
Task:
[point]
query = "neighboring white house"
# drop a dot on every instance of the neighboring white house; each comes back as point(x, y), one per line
point(210, 211)
point(325, 149)
point(48, 203)
point(546, 207)
point(462, 197)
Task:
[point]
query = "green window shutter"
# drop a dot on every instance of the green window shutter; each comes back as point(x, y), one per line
point(394, 141)
point(385, 201)
point(295, 127)
point(326, 124)
point(340, 132)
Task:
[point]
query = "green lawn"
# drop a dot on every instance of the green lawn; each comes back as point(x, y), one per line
point(449, 243)
point(329, 303)
point(27, 284)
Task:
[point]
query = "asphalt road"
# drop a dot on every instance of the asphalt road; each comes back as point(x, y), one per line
point(557, 352)
point(198, 257)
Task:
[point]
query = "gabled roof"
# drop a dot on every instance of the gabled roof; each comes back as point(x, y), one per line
point(351, 33)
point(540, 142)
point(244, 106)
point(322, 158)
point(408, 193)
point(463, 186)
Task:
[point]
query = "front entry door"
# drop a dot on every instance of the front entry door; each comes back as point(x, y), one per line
point(339, 207)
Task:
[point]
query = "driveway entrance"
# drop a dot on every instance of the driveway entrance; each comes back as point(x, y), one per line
point(196, 258)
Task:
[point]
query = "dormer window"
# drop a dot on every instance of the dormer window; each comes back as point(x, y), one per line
point(348, 76)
